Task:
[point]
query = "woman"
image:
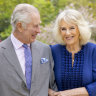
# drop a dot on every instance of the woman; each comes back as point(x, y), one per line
point(74, 56)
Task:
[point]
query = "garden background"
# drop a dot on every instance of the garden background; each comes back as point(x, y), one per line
point(49, 9)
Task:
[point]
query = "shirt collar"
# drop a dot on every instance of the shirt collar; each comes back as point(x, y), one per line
point(16, 43)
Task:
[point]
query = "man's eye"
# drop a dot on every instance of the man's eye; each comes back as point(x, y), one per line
point(36, 26)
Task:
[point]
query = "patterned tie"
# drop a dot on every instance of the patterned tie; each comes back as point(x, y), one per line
point(28, 65)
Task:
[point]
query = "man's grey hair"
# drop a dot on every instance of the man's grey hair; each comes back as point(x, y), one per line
point(22, 13)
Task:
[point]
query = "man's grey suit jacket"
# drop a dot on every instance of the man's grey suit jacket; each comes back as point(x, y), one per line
point(12, 79)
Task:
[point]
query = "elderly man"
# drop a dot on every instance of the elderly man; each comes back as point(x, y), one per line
point(25, 63)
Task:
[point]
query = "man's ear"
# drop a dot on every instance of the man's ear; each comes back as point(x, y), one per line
point(19, 27)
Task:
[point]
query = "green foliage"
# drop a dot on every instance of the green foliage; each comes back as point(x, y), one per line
point(62, 3)
point(92, 5)
point(47, 11)
point(6, 33)
point(6, 8)
point(4, 15)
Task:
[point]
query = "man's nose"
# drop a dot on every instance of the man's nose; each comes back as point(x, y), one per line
point(38, 29)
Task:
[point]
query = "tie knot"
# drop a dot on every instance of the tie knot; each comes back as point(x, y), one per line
point(25, 46)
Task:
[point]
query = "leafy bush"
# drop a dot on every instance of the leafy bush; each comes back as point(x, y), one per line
point(6, 32)
point(47, 10)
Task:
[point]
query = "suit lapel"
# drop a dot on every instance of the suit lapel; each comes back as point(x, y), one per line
point(35, 61)
point(11, 56)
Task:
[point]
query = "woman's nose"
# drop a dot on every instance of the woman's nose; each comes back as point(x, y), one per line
point(67, 31)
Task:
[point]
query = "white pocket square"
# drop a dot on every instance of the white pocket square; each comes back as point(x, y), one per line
point(43, 60)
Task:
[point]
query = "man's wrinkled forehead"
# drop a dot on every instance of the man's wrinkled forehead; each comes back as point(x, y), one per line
point(35, 19)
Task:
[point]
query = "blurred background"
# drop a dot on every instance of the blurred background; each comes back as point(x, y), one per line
point(49, 10)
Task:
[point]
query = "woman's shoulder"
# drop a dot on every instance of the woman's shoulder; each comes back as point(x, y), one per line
point(90, 45)
point(89, 48)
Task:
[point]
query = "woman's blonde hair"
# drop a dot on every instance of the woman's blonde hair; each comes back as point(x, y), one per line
point(74, 17)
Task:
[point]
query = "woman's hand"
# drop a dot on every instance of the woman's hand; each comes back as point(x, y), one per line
point(52, 93)
point(72, 92)
point(62, 93)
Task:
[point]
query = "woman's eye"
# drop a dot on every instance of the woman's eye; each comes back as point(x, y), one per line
point(63, 29)
point(72, 28)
